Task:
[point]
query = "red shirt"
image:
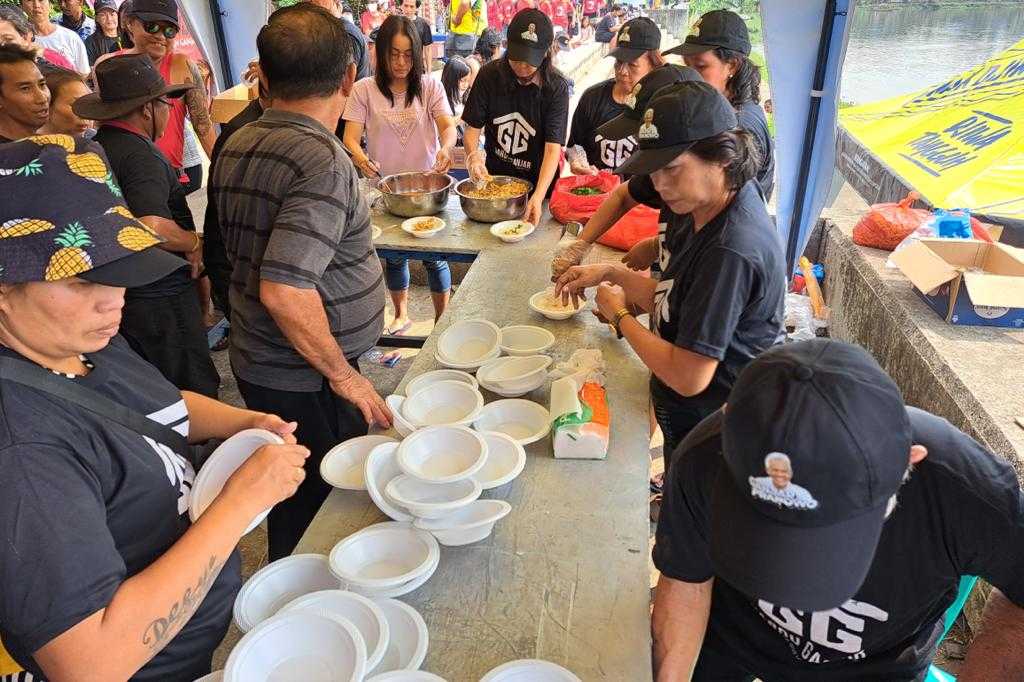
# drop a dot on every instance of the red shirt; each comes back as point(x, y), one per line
point(507, 9)
point(57, 59)
point(545, 8)
point(524, 4)
point(493, 15)
point(172, 142)
point(560, 11)
point(590, 7)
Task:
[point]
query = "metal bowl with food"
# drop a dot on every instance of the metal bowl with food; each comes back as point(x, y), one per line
point(500, 198)
point(411, 195)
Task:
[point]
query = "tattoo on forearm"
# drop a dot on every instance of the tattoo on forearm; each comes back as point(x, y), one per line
point(195, 99)
point(161, 630)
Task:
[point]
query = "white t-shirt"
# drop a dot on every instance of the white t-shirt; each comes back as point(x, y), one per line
point(68, 43)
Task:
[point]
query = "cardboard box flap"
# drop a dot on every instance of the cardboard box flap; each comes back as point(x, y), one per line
point(1000, 291)
point(923, 267)
point(1005, 260)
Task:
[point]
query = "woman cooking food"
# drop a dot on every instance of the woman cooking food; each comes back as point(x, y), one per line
point(720, 300)
point(719, 53)
point(409, 127)
point(521, 103)
point(103, 574)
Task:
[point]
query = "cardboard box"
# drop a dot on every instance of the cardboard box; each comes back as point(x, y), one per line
point(967, 282)
point(231, 102)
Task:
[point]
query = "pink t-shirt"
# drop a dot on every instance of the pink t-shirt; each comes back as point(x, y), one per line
point(399, 138)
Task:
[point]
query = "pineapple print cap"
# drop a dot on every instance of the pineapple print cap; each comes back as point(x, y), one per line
point(63, 216)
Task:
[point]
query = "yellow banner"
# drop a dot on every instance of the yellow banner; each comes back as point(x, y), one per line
point(961, 143)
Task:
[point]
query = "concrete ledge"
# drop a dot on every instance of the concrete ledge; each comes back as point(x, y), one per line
point(968, 375)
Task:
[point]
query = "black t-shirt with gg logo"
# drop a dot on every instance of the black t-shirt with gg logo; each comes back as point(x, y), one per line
point(87, 503)
point(960, 513)
point(595, 108)
point(517, 119)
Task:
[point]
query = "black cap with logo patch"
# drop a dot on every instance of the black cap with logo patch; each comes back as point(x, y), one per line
point(636, 37)
point(678, 117)
point(719, 28)
point(627, 123)
point(816, 441)
point(529, 37)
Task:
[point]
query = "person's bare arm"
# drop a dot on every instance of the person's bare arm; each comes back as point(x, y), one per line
point(199, 110)
point(178, 240)
point(618, 204)
point(352, 140)
point(685, 372)
point(997, 652)
point(678, 624)
point(464, 6)
point(150, 608)
point(548, 168)
point(300, 315)
point(209, 418)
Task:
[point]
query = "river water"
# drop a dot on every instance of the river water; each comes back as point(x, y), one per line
point(897, 50)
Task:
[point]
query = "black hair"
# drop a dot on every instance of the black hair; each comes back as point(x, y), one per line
point(57, 78)
point(123, 13)
point(16, 18)
point(15, 54)
point(395, 25)
point(735, 151)
point(454, 71)
point(487, 44)
point(304, 52)
point(745, 84)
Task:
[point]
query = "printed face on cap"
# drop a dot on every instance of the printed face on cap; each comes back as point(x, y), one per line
point(778, 488)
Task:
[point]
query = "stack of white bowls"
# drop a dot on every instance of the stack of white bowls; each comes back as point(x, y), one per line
point(299, 624)
point(447, 402)
point(388, 559)
point(467, 344)
point(513, 376)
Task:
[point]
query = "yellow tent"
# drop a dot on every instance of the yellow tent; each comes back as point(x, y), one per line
point(961, 143)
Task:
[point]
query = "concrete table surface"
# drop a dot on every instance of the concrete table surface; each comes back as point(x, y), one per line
point(564, 577)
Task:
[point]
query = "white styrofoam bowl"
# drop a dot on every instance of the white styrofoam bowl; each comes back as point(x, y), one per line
point(401, 424)
point(278, 583)
point(560, 313)
point(524, 420)
point(408, 640)
point(432, 500)
point(383, 555)
point(468, 341)
point(442, 454)
point(224, 461)
point(521, 389)
point(398, 590)
point(472, 523)
point(406, 676)
point(501, 230)
point(215, 676)
point(422, 381)
point(364, 614)
point(467, 366)
point(343, 464)
point(447, 402)
point(506, 459)
point(381, 466)
point(514, 373)
point(407, 226)
point(298, 646)
point(525, 339)
point(529, 670)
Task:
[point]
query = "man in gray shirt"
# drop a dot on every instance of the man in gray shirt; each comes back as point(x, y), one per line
point(307, 291)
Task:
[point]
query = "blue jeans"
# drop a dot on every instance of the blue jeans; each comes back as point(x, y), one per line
point(439, 276)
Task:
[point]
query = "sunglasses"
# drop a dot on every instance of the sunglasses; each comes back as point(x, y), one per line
point(155, 28)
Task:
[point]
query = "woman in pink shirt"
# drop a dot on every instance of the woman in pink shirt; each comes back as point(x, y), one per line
point(409, 127)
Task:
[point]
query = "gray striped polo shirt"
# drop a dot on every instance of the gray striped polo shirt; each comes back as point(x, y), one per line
point(291, 212)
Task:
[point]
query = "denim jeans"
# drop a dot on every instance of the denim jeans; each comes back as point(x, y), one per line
point(439, 276)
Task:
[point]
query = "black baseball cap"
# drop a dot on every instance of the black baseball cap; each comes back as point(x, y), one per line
point(105, 4)
point(678, 117)
point(636, 37)
point(816, 441)
point(718, 28)
point(529, 37)
point(156, 10)
point(627, 123)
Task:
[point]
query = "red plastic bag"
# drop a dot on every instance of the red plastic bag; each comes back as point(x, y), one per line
point(566, 206)
point(886, 225)
point(637, 225)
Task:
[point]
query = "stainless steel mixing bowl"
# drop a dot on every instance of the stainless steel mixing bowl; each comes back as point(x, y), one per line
point(415, 194)
point(493, 210)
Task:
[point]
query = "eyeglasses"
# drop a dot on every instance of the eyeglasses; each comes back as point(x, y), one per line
point(399, 54)
point(155, 27)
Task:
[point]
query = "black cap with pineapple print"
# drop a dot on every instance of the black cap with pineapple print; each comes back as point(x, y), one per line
point(63, 216)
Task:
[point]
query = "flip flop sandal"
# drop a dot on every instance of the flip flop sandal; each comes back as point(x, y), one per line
point(399, 331)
